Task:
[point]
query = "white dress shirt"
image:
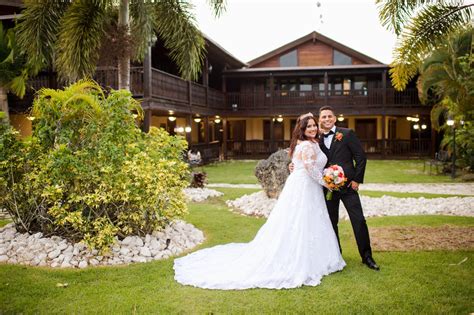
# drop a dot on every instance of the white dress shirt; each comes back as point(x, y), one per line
point(328, 140)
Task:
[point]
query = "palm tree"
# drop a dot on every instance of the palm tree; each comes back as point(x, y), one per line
point(447, 81)
point(68, 35)
point(447, 75)
point(13, 73)
point(420, 26)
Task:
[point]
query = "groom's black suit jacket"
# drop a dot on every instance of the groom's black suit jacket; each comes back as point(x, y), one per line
point(344, 153)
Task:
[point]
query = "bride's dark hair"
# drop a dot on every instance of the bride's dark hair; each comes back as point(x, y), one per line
point(298, 132)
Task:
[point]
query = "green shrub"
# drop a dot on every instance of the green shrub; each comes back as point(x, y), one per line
point(88, 172)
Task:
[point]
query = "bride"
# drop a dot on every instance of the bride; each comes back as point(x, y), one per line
point(296, 246)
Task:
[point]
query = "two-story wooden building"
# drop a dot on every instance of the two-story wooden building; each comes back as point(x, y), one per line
point(239, 110)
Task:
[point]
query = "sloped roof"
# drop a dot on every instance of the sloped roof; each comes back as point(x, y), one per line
point(216, 49)
point(315, 36)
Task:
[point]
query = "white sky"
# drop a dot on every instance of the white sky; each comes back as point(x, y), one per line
point(251, 28)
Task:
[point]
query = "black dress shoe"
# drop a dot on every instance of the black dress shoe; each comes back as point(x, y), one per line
point(370, 262)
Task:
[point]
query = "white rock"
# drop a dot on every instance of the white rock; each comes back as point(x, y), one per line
point(124, 251)
point(83, 264)
point(66, 264)
point(145, 251)
point(53, 254)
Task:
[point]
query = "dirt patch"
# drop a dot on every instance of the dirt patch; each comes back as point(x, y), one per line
point(446, 237)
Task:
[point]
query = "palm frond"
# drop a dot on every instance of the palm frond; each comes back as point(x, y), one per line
point(175, 25)
point(394, 14)
point(437, 112)
point(422, 35)
point(37, 31)
point(218, 6)
point(142, 22)
point(80, 34)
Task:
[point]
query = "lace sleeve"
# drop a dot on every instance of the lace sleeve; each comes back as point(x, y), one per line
point(308, 155)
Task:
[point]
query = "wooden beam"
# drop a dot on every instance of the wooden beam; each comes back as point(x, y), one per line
point(147, 74)
point(146, 120)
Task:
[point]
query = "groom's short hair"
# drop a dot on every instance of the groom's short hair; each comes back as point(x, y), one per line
point(327, 107)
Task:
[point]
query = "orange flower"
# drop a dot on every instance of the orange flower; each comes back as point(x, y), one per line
point(339, 136)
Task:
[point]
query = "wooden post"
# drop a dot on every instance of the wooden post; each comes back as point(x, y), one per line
point(189, 137)
point(146, 104)
point(326, 88)
point(206, 129)
point(147, 75)
point(272, 89)
point(272, 134)
point(146, 119)
point(384, 103)
point(224, 137)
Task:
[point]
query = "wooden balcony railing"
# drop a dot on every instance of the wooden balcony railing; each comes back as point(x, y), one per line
point(169, 87)
point(379, 147)
point(182, 93)
point(342, 99)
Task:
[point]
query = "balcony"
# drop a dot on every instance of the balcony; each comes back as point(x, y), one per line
point(371, 101)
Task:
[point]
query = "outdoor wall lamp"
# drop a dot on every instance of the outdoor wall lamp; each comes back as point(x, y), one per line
point(217, 119)
point(279, 118)
point(340, 118)
point(187, 129)
point(234, 107)
point(179, 129)
point(171, 118)
point(197, 119)
point(423, 126)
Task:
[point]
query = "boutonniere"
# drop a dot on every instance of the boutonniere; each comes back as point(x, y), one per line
point(339, 136)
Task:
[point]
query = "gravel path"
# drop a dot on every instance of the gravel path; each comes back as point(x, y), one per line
point(450, 189)
point(258, 204)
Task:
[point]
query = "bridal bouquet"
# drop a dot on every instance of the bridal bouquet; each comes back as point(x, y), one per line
point(334, 178)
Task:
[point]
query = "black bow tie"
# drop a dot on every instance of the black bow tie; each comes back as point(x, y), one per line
point(328, 134)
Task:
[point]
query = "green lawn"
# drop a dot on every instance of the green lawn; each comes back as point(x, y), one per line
point(395, 171)
point(377, 171)
point(232, 172)
point(409, 282)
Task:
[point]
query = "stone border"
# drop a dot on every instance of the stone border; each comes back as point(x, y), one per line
point(36, 250)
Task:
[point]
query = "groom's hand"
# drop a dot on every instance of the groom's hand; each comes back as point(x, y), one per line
point(354, 185)
point(291, 167)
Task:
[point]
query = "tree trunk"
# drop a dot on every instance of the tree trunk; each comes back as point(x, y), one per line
point(124, 62)
point(4, 102)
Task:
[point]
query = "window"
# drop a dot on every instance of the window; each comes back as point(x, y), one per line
point(318, 84)
point(287, 86)
point(356, 85)
point(305, 84)
point(289, 60)
point(360, 85)
point(341, 59)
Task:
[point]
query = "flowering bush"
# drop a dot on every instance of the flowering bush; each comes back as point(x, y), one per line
point(88, 172)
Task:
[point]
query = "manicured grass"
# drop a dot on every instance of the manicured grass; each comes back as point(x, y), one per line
point(409, 282)
point(396, 171)
point(377, 171)
point(378, 194)
point(232, 172)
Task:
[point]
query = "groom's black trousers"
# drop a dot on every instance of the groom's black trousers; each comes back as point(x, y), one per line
point(351, 201)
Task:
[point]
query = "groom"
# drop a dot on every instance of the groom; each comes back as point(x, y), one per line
point(343, 148)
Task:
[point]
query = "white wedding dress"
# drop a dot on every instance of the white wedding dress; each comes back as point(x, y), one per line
point(296, 246)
